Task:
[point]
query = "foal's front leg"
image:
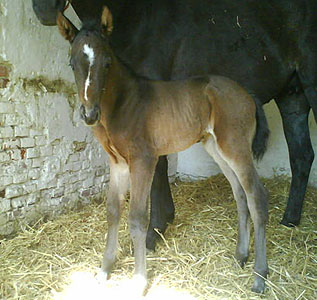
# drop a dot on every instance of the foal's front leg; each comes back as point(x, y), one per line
point(141, 176)
point(119, 182)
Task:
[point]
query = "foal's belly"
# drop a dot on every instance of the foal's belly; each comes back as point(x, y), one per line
point(180, 117)
point(174, 145)
point(174, 136)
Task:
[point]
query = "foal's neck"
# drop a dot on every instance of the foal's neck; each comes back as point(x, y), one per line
point(121, 73)
point(121, 82)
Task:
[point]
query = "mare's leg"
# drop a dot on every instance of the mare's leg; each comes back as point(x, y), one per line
point(118, 186)
point(307, 69)
point(239, 159)
point(242, 249)
point(141, 176)
point(294, 110)
point(162, 206)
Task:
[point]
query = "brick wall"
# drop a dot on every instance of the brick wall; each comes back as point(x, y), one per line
point(48, 160)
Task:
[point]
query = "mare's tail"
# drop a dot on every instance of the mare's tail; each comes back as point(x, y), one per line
point(262, 132)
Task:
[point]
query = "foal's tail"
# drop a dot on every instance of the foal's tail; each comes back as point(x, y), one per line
point(262, 132)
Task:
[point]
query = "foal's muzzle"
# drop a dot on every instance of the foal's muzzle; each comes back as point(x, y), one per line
point(90, 116)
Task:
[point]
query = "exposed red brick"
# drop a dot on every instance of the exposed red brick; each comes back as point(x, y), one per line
point(4, 82)
point(4, 71)
point(86, 193)
point(23, 153)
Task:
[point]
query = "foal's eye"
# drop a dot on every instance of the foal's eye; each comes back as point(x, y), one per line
point(107, 63)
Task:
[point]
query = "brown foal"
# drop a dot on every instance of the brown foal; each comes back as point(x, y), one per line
point(136, 120)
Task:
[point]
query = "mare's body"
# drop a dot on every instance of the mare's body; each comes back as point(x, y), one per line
point(269, 47)
point(137, 120)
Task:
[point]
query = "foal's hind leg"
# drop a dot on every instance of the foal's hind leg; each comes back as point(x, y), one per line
point(238, 158)
point(258, 208)
point(242, 249)
point(119, 182)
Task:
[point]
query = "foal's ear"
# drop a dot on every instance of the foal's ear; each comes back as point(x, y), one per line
point(66, 27)
point(106, 20)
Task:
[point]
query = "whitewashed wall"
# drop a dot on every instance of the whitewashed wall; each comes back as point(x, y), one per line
point(48, 159)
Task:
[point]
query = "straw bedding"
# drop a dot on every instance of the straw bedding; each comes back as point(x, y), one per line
point(58, 259)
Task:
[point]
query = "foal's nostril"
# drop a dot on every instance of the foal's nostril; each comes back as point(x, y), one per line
point(82, 112)
point(90, 116)
point(98, 114)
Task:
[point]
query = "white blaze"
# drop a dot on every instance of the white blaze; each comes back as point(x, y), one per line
point(87, 82)
point(90, 53)
point(91, 57)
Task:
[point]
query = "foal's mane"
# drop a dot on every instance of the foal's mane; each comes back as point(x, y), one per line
point(94, 27)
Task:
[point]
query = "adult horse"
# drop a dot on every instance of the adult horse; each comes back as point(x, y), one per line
point(269, 47)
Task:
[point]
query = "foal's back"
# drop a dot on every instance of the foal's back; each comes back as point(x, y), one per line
point(184, 112)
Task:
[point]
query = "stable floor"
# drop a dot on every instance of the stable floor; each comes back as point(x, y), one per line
point(195, 259)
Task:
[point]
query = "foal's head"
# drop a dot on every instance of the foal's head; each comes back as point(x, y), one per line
point(90, 60)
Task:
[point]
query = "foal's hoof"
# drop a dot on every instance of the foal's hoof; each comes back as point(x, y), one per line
point(102, 277)
point(258, 286)
point(139, 284)
point(242, 259)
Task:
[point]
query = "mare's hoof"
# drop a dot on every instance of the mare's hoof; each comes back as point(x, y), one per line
point(102, 276)
point(151, 239)
point(289, 223)
point(152, 236)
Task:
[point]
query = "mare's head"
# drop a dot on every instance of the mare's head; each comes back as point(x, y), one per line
point(90, 60)
point(46, 10)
